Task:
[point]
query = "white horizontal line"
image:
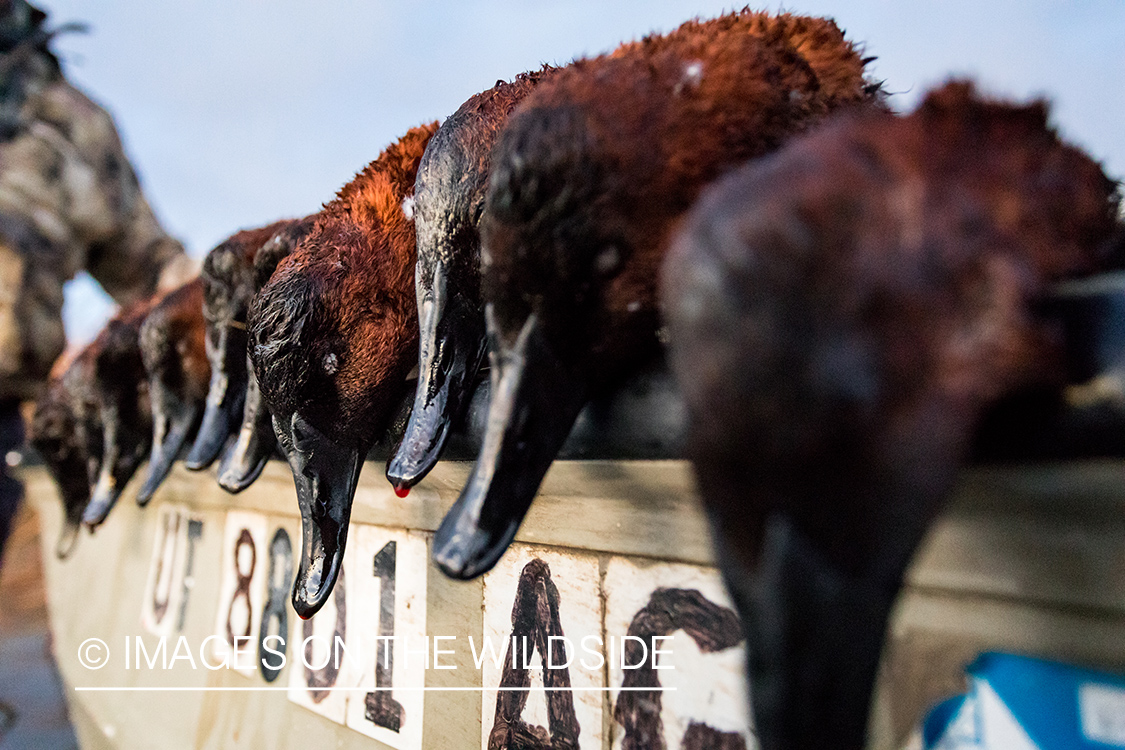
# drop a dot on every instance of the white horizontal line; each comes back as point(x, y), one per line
point(363, 689)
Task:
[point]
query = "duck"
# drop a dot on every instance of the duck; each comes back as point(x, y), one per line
point(840, 315)
point(78, 380)
point(56, 437)
point(227, 287)
point(120, 390)
point(588, 180)
point(254, 444)
point(333, 335)
point(447, 206)
point(174, 352)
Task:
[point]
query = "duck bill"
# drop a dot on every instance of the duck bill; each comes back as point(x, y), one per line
point(246, 457)
point(223, 408)
point(76, 495)
point(326, 475)
point(535, 400)
point(68, 538)
point(74, 491)
point(124, 449)
point(814, 634)
point(105, 492)
point(173, 424)
point(451, 349)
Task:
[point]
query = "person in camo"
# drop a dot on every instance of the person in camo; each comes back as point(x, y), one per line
point(69, 201)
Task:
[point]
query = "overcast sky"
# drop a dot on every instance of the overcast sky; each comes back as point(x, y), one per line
point(239, 112)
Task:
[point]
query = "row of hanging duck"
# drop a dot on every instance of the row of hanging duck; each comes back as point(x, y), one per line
point(841, 291)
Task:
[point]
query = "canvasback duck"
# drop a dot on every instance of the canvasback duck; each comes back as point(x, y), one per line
point(78, 379)
point(121, 391)
point(174, 352)
point(588, 180)
point(333, 335)
point(55, 435)
point(447, 206)
point(839, 315)
point(227, 287)
point(254, 443)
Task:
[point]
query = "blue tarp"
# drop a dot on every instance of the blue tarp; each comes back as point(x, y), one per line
point(1017, 702)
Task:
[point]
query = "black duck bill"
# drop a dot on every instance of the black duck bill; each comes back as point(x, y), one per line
point(123, 452)
point(252, 447)
point(325, 474)
point(451, 349)
point(535, 400)
point(75, 492)
point(222, 412)
point(174, 421)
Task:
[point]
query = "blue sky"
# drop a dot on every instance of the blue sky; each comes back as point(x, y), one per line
point(239, 112)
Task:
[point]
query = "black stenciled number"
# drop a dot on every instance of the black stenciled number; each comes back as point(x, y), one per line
point(713, 628)
point(242, 587)
point(325, 677)
point(164, 566)
point(382, 708)
point(281, 572)
point(194, 533)
point(536, 595)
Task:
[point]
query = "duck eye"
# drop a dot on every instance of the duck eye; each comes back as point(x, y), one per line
point(330, 363)
point(608, 260)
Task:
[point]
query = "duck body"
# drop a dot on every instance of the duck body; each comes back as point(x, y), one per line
point(174, 351)
point(448, 202)
point(839, 316)
point(228, 285)
point(120, 388)
point(588, 180)
point(333, 335)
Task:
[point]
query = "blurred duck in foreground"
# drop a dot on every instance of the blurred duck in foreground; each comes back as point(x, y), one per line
point(333, 335)
point(227, 275)
point(120, 391)
point(173, 349)
point(228, 285)
point(448, 202)
point(840, 314)
point(587, 182)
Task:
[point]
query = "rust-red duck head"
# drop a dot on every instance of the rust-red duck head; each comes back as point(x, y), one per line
point(448, 203)
point(120, 387)
point(333, 335)
point(228, 285)
point(174, 352)
point(56, 436)
point(588, 180)
point(839, 315)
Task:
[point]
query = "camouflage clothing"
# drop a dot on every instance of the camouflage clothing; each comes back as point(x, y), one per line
point(69, 200)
